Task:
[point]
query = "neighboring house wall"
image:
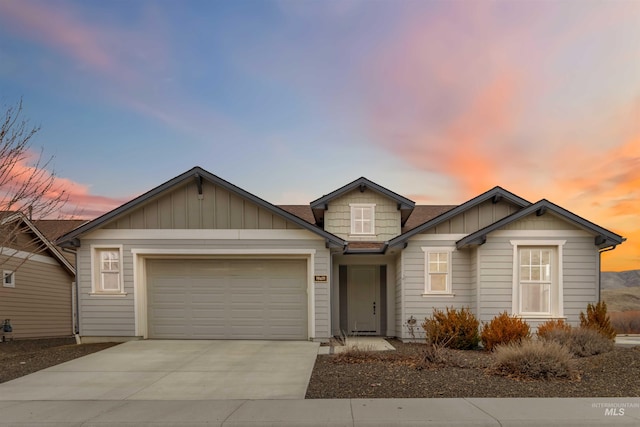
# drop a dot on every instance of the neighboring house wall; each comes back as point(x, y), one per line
point(39, 305)
point(218, 208)
point(337, 219)
point(105, 315)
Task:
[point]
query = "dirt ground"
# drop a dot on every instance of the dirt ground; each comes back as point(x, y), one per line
point(22, 357)
point(467, 373)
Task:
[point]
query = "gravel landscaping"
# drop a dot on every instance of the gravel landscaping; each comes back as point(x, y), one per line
point(465, 373)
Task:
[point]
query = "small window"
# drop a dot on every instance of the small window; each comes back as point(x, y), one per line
point(362, 219)
point(8, 279)
point(437, 271)
point(108, 267)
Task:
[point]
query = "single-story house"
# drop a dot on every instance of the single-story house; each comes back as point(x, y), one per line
point(37, 281)
point(200, 258)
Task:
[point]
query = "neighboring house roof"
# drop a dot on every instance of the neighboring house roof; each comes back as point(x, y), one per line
point(405, 205)
point(604, 238)
point(9, 217)
point(496, 194)
point(54, 228)
point(197, 174)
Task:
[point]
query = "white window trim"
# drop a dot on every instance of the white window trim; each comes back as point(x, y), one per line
point(449, 290)
point(5, 273)
point(95, 271)
point(557, 309)
point(352, 218)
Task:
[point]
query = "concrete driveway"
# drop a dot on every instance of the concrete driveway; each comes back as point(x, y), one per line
point(175, 370)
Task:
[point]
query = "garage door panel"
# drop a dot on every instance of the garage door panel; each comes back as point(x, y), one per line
point(227, 299)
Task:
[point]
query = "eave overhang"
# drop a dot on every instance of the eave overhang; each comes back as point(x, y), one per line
point(319, 206)
point(71, 239)
point(496, 195)
point(603, 237)
point(19, 216)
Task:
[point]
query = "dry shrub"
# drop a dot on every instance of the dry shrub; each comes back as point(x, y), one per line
point(504, 329)
point(552, 325)
point(357, 354)
point(537, 359)
point(625, 322)
point(454, 328)
point(588, 342)
point(581, 342)
point(431, 355)
point(598, 319)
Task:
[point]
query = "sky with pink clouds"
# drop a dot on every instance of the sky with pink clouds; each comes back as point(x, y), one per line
point(438, 101)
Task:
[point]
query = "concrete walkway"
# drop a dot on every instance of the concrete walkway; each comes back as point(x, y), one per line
point(338, 412)
point(175, 370)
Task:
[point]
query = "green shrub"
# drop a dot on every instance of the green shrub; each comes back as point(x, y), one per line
point(550, 326)
point(581, 342)
point(504, 329)
point(454, 328)
point(537, 359)
point(598, 319)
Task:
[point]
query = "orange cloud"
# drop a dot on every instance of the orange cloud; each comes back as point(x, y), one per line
point(80, 203)
point(457, 94)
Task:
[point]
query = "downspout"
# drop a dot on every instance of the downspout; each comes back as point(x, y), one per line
point(76, 323)
point(610, 248)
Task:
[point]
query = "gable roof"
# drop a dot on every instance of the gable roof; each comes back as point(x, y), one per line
point(405, 205)
point(9, 217)
point(197, 174)
point(604, 238)
point(496, 194)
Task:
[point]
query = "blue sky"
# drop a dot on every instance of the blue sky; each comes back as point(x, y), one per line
point(438, 101)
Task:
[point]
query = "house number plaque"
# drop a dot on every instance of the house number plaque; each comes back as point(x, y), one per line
point(320, 279)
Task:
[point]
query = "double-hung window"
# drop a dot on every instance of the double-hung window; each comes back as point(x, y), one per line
point(437, 271)
point(362, 219)
point(535, 280)
point(107, 270)
point(537, 290)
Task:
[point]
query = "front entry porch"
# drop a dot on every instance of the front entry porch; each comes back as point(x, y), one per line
point(363, 300)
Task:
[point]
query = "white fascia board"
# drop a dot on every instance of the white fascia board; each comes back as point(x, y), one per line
point(438, 237)
point(28, 256)
point(540, 233)
point(158, 234)
point(198, 252)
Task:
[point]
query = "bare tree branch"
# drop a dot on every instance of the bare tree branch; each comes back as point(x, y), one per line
point(28, 184)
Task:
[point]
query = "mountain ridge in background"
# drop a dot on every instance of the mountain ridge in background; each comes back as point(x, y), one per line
point(620, 279)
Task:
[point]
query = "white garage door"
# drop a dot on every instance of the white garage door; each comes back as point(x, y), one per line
point(227, 299)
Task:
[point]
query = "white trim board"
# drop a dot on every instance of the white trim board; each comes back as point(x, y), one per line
point(140, 256)
point(160, 234)
point(540, 233)
point(199, 252)
point(439, 237)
